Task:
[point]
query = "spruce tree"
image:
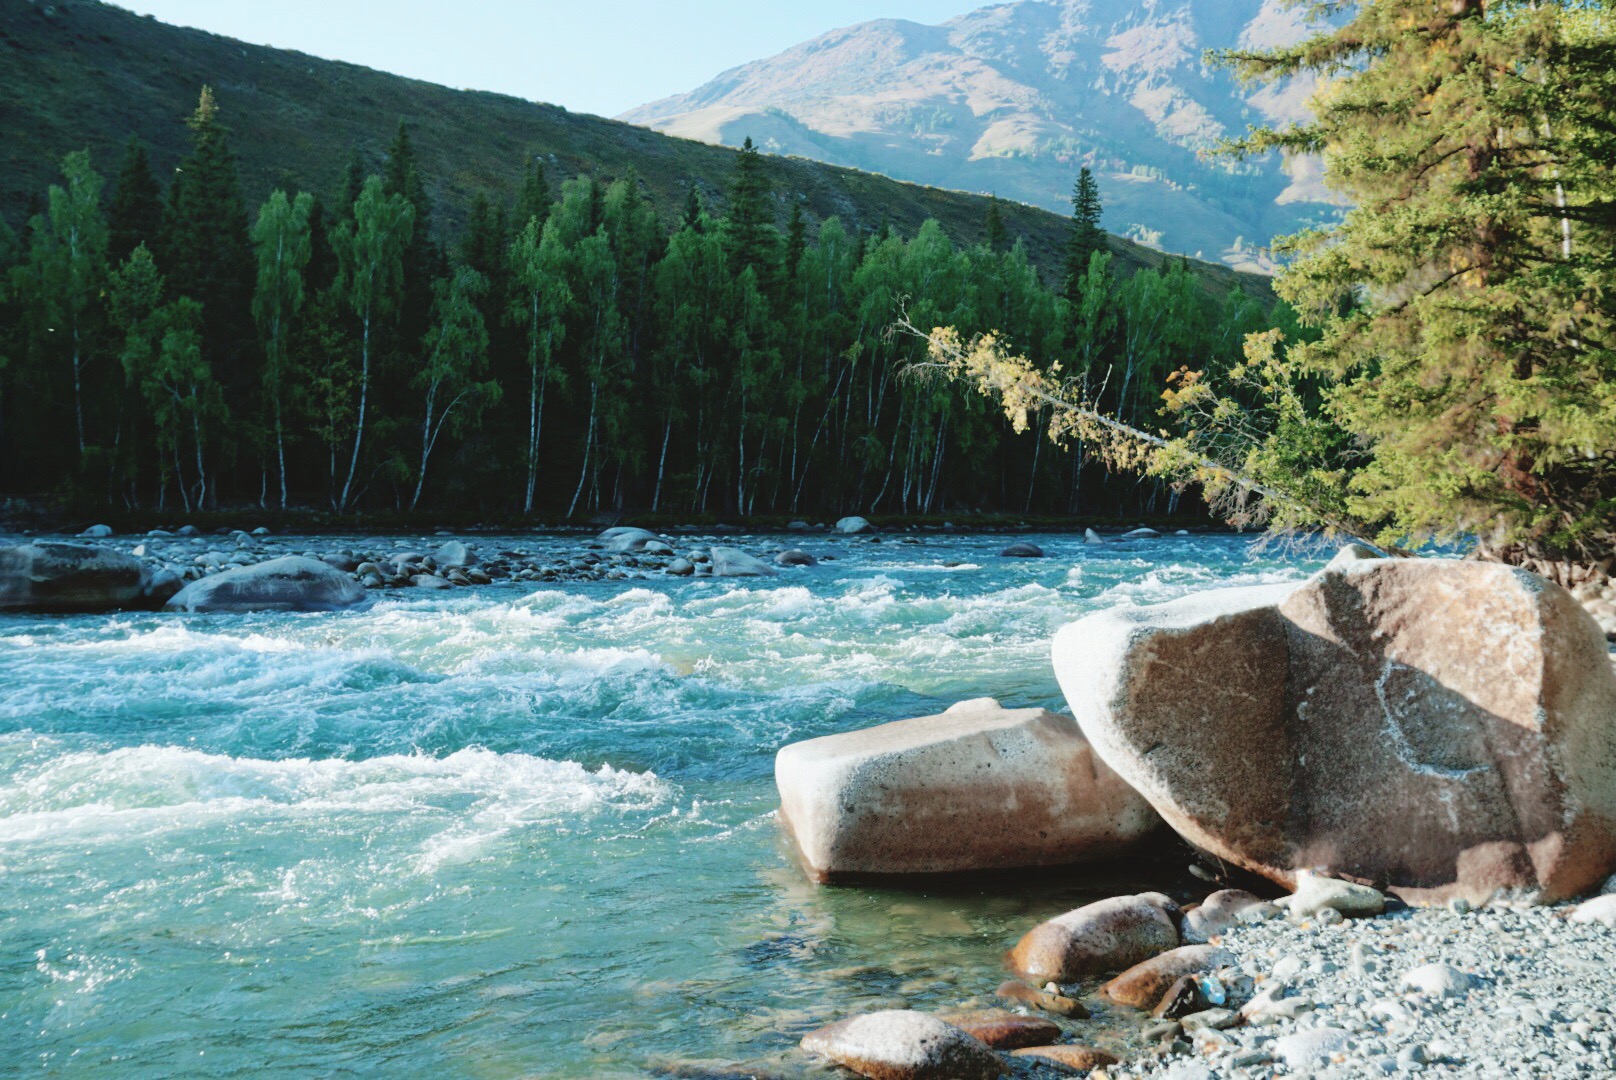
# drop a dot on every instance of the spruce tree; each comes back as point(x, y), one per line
point(1467, 303)
point(994, 234)
point(749, 232)
point(691, 218)
point(796, 241)
point(534, 200)
point(1086, 236)
point(135, 214)
point(206, 254)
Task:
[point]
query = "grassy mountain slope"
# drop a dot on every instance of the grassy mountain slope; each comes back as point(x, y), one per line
point(79, 73)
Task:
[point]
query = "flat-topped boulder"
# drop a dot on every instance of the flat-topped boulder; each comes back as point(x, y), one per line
point(291, 583)
point(51, 577)
point(978, 787)
point(1437, 728)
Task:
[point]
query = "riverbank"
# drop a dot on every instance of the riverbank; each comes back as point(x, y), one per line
point(1511, 990)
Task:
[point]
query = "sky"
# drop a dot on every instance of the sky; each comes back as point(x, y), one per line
point(594, 56)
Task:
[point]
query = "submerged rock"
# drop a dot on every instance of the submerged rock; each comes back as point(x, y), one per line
point(1439, 727)
point(977, 787)
point(51, 577)
point(1022, 551)
point(1141, 533)
point(1107, 935)
point(795, 557)
point(290, 583)
point(902, 1045)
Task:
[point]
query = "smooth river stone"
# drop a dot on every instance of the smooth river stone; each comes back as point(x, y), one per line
point(1068, 1057)
point(1439, 728)
point(978, 787)
point(1002, 1029)
point(1146, 983)
point(903, 1045)
point(1107, 935)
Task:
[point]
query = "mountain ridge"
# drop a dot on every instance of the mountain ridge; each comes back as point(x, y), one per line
point(83, 73)
point(1013, 97)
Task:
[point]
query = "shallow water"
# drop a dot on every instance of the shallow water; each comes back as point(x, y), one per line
point(509, 831)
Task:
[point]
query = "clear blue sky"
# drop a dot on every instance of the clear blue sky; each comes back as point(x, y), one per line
point(597, 56)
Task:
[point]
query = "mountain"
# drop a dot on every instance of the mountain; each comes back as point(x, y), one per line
point(79, 73)
point(1013, 98)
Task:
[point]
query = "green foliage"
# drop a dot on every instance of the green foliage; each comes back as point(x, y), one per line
point(135, 214)
point(1465, 305)
point(1086, 238)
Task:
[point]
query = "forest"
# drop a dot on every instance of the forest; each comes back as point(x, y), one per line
point(569, 352)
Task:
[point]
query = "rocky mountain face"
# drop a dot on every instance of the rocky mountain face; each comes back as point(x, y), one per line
point(1012, 99)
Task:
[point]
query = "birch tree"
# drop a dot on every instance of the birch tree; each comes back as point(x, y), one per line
point(282, 238)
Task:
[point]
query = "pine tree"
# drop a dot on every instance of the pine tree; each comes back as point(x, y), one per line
point(749, 232)
point(1086, 236)
point(796, 241)
point(206, 254)
point(135, 214)
point(691, 218)
point(1467, 302)
point(994, 234)
point(534, 200)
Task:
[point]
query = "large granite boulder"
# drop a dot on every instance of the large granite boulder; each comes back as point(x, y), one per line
point(292, 583)
point(1442, 729)
point(54, 577)
point(978, 787)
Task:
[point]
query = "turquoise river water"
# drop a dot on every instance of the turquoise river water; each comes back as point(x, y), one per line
point(508, 831)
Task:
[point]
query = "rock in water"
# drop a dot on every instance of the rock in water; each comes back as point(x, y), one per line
point(1439, 727)
point(852, 525)
point(69, 577)
point(1142, 986)
point(1107, 935)
point(291, 583)
point(1001, 1029)
point(454, 553)
point(97, 532)
point(1141, 533)
point(795, 557)
point(903, 1045)
point(1092, 537)
point(733, 562)
point(1067, 1057)
point(623, 539)
point(979, 787)
point(1022, 551)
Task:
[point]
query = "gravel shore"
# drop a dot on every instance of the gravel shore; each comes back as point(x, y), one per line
point(1507, 991)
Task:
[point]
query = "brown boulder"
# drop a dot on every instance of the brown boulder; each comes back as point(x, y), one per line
point(978, 787)
point(1070, 1057)
point(1145, 984)
point(1002, 1029)
point(902, 1045)
point(1020, 992)
point(1439, 728)
point(1106, 935)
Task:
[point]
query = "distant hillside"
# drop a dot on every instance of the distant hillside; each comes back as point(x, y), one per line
point(78, 73)
point(1013, 97)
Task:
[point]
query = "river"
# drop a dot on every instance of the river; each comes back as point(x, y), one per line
point(508, 831)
